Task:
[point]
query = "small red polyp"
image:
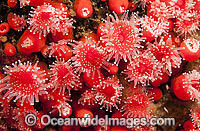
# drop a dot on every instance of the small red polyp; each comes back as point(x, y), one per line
point(15, 21)
point(12, 3)
point(9, 49)
point(191, 51)
point(119, 6)
point(4, 28)
point(30, 42)
point(83, 8)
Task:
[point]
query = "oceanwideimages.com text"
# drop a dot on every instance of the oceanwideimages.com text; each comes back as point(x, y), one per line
point(46, 120)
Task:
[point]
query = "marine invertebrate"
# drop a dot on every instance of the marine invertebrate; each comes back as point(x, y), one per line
point(63, 23)
point(166, 54)
point(164, 77)
point(39, 125)
point(101, 29)
point(132, 6)
point(143, 68)
point(191, 49)
point(62, 77)
point(12, 3)
point(57, 104)
point(187, 22)
point(118, 6)
point(159, 10)
point(143, 3)
point(9, 49)
point(29, 42)
point(137, 105)
point(108, 93)
point(188, 125)
point(24, 81)
point(16, 22)
point(196, 6)
point(83, 8)
point(84, 113)
point(143, 128)
point(113, 69)
point(59, 50)
point(4, 28)
point(42, 19)
point(151, 28)
point(122, 41)
point(19, 113)
point(89, 57)
point(186, 86)
point(93, 81)
point(121, 37)
point(88, 97)
point(60, 107)
point(177, 5)
point(154, 93)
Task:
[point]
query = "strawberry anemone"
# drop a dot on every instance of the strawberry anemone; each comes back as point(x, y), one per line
point(191, 49)
point(187, 87)
point(190, 84)
point(30, 42)
point(108, 93)
point(121, 37)
point(20, 113)
point(63, 22)
point(89, 57)
point(62, 77)
point(59, 50)
point(16, 22)
point(88, 97)
point(42, 19)
point(23, 81)
point(50, 18)
point(83, 8)
point(166, 54)
point(187, 22)
point(143, 68)
point(119, 6)
point(137, 105)
point(160, 10)
point(151, 28)
point(4, 28)
point(57, 104)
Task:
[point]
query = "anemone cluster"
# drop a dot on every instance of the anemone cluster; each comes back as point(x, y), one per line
point(116, 69)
